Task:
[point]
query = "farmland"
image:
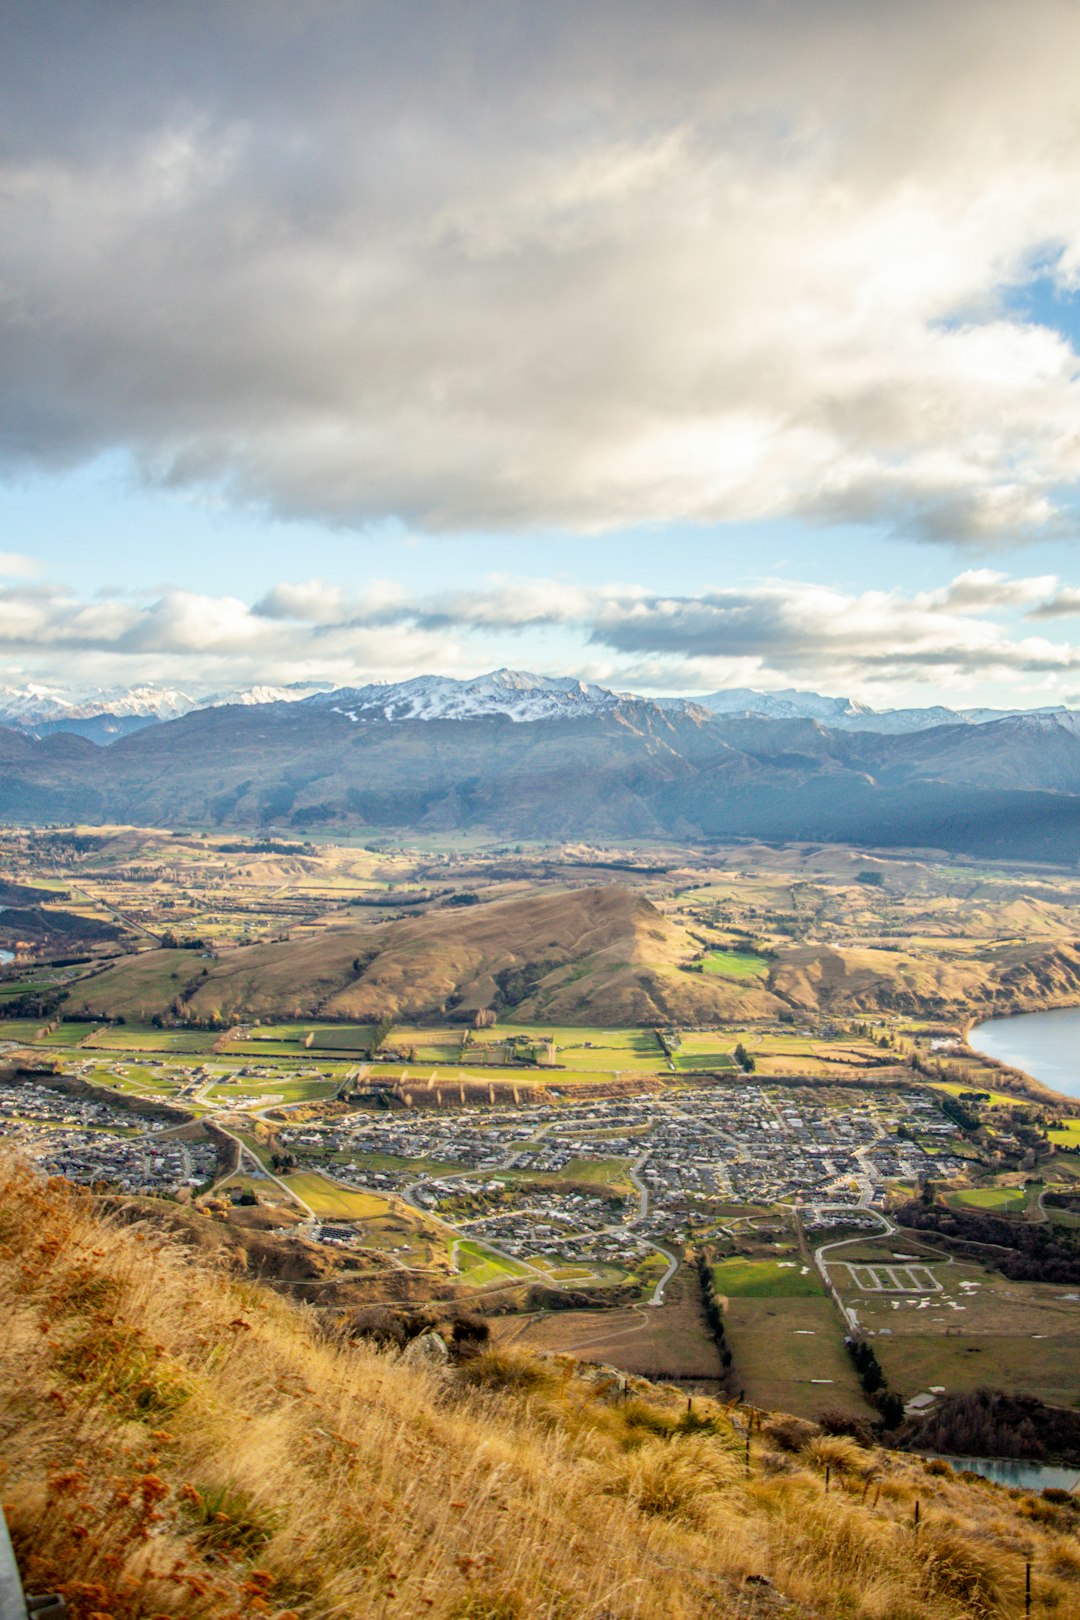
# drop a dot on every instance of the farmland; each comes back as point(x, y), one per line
point(566, 1118)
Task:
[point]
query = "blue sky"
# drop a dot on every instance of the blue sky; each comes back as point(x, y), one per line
point(736, 346)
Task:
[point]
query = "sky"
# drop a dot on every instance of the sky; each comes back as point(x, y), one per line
point(673, 347)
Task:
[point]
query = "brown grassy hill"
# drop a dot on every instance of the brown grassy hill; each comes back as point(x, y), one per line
point(175, 1443)
point(856, 979)
point(591, 955)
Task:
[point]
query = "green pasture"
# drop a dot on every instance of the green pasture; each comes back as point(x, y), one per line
point(1067, 1136)
point(480, 1266)
point(743, 1278)
point(998, 1099)
point(735, 965)
point(145, 1038)
point(1002, 1200)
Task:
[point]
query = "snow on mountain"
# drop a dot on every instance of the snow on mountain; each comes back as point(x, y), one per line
point(28, 706)
point(983, 717)
point(105, 714)
point(515, 694)
point(839, 714)
point(253, 696)
point(34, 708)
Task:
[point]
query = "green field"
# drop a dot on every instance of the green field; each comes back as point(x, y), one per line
point(597, 1172)
point(998, 1099)
point(743, 1278)
point(332, 1202)
point(1003, 1200)
point(135, 1038)
point(735, 965)
point(479, 1266)
point(1068, 1136)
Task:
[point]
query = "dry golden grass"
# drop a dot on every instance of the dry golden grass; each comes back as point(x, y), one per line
point(173, 1442)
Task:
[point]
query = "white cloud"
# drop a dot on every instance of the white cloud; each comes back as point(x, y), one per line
point(968, 636)
point(593, 266)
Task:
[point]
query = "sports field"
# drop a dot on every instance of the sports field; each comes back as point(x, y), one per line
point(743, 1278)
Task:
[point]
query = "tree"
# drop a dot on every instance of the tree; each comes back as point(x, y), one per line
point(744, 1059)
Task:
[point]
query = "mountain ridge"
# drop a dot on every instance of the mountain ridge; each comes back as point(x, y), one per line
point(629, 768)
point(106, 714)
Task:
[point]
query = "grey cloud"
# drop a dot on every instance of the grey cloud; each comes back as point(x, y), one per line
point(776, 633)
point(1063, 604)
point(574, 265)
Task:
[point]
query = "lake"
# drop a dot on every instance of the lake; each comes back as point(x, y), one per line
point(1045, 1045)
point(1028, 1476)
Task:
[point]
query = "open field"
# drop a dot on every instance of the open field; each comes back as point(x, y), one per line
point(742, 1278)
point(190, 1041)
point(671, 1341)
point(480, 1266)
point(1066, 1133)
point(333, 1202)
point(735, 965)
point(1001, 1200)
point(789, 1354)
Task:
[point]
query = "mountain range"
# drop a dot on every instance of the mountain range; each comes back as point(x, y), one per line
point(106, 714)
point(531, 758)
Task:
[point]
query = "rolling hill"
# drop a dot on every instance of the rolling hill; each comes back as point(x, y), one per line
point(593, 955)
point(601, 955)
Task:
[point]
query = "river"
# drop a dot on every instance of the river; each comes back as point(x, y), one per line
point(1045, 1045)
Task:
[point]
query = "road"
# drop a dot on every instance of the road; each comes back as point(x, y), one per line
point(290, 1192)
point(887, 1229)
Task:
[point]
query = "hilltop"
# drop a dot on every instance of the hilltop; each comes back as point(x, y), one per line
point(175, 1442)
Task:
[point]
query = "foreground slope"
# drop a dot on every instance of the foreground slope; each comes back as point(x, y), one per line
point(176, 1443)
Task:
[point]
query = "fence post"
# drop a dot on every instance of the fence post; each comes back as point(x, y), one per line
point(14, 1604)
point(1027, 1589)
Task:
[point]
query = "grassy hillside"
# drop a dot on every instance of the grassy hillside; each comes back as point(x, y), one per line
point(600, 955)
point(173, 1442)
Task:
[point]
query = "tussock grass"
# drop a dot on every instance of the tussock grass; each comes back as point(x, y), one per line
point(176, 1443)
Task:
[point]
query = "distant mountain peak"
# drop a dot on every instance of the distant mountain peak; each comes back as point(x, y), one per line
point(839, 713)
point(515, 694)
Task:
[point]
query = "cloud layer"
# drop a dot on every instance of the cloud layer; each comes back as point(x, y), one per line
point(884, 646)
point(571, 265)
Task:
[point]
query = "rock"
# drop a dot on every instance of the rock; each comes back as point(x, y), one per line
point(429, 1349)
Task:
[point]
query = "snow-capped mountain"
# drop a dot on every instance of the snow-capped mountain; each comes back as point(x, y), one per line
point(253, 696)
point(515, 694)
point(106, 714)
point(32, 705)
point(844, 714)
